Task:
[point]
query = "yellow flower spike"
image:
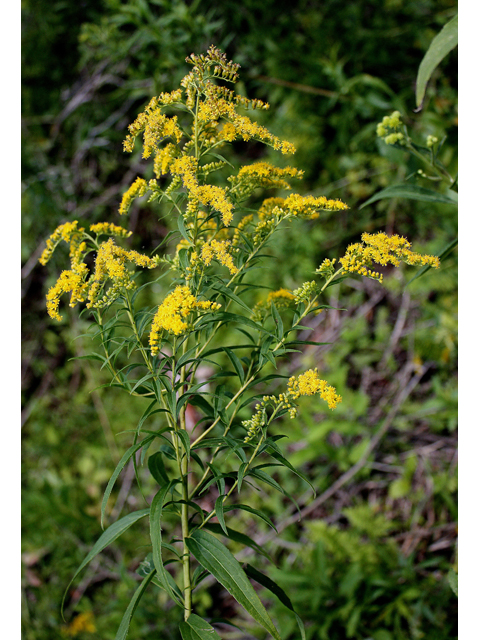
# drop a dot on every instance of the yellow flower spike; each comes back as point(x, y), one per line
point(308, 206)
point(382, 249)
point(171, 313)
point(137, 189)
point(68, 282)
point(66, 232)
point(309, 383)
point(217, 199)
point(220, 251)
point(111, 264)
point(110, 229)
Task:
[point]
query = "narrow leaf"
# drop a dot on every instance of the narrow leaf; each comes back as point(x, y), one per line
point(127, 616)
point(411, 192)
point(196, 628)
point(123, 461)
point(219, 513)
point(246, 507)
point(236, 364)
point(237, 536)
point(216, 558)
point(440, 46)
point(156, 538)
point(185, 438)
point(272, 586)
point(110, 535)
point(278, 456)
point(157, 468)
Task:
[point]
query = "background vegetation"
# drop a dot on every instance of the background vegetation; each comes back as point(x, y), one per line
point(372, 556)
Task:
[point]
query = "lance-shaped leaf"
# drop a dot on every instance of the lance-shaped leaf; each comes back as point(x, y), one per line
point(440, 46)
point(195, 628)
point(156, 538)
point(125, 458)
point(112, 533)
point(157, 468)
point(237, 536)
point(127, 616)
point(216, 558)
point(411, 192)
point(272, 586)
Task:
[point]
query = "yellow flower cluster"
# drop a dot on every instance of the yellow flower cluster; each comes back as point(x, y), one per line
point(83, 623)
point(110, 229)
point(283, 298)
point(170, 97)
point(308, 384)
point(262, 174)
point(221, 251)
point(111, 264)
point(216, 198)
point(136, 190)
point(171, 313)
point(327, 268)
point(269, 206)
point(222, 67)
point(69, 281)
point(238, 126)
point(72, 280)
point(64, 232)
point(155, 126)
point(186, 168)
point(164, 159)
point(382, 249)
point(308, 206)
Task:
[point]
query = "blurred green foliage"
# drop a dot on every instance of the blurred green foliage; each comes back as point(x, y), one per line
point(330, 71)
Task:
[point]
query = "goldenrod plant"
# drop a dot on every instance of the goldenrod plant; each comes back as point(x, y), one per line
point(159, 353)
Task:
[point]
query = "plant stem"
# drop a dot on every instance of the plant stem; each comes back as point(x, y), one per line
point(184, 471)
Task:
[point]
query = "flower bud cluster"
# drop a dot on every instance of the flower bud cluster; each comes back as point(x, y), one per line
point(387, 129)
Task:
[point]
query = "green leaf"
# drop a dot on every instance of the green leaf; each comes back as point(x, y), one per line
point(127, 616)
point(156, 538)
point(246, 507)
point(237, 536)
point(412, 192)
point(182, 228)
point(157, 468)
point(278, 321)
point(272, 586)
point(216, 558)
point(264, 477)
point(278, 456)
point(185, 438)
point(224, 317)
point(241, 472)
point(123, 461)
point(195, 628)
point(110, 535)
point(219, 286)
point(440, 46)
point(219, 512)
point(453, 581)
point(236, 364)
